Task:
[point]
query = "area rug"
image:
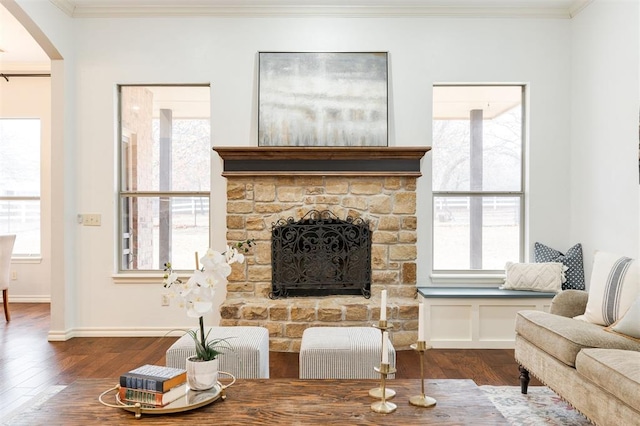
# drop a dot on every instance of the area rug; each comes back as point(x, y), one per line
point(540, 406)
point(33, 404)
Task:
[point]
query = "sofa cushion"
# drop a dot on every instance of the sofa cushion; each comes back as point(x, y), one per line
point(615, 370)
point(564, 337)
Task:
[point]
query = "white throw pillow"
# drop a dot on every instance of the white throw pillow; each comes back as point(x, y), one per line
point(629, 324)
point(547, 276)
point(614, 285)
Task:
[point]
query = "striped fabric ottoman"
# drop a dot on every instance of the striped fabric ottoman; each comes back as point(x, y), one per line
point(251, 346)
point(342, 353)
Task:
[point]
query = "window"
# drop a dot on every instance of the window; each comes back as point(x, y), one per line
point(477, 178)
point(165, 176)
point(20, 183)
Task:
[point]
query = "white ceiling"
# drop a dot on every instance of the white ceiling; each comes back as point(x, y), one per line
point(22, 53)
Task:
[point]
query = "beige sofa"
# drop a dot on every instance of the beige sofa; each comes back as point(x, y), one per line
point(596, 371)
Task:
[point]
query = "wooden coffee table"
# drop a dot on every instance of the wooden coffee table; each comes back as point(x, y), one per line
point(283, 402)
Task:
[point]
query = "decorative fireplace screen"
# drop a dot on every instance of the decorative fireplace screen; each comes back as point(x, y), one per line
point(320, 255)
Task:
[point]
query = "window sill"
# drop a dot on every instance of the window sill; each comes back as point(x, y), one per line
point(468, 292)
point(468, 280)
point(26, 259)
point(142, 278)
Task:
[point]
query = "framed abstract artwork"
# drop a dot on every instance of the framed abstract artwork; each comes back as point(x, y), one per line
point(322, 99)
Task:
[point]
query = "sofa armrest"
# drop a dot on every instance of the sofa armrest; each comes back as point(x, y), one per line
point(569, 303)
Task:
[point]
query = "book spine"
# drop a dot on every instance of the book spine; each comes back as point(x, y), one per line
point(141, 396)
point(160, 382)
point(139, 382)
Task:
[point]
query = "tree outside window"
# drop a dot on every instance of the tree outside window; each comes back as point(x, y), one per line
point(477, 177)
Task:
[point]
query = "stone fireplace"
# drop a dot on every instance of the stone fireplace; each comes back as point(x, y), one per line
point(376, 185)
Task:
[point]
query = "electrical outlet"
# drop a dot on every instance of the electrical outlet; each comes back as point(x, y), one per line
point(164, 300)
point(91, 219)
point(14, 275)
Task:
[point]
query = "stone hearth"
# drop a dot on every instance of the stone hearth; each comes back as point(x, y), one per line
point(257, 198)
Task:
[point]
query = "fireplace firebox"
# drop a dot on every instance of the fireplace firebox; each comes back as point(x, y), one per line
point(320, 255)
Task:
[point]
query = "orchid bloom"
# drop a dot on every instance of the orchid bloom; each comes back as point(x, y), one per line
point(199, 302)
point(197, 293)
point(170, 279)
point(232, 255)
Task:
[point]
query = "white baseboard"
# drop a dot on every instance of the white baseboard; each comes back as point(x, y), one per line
point(59, 335)
point(453, 344)
point(127, 332)
point(62, 336)
point(44, 298)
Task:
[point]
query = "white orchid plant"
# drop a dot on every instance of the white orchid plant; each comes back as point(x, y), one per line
point(196, 294)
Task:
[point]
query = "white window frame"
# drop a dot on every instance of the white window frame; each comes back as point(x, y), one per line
point(482, 277)
point(141, 275)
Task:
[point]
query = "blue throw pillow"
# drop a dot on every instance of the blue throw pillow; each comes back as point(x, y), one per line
point(572, 260)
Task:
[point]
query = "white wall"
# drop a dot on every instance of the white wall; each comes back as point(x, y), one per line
point(604, 129)
point(222, 51)
point(30, 97)
point(56, 28)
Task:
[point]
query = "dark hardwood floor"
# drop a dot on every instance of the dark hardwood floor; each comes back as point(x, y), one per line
point(29, 363)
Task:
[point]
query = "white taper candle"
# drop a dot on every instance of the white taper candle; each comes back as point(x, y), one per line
point(383, 306)
point(385, 347)
point(421, 322)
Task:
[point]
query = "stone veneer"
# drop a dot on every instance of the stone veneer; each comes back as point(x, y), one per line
point(254, 203)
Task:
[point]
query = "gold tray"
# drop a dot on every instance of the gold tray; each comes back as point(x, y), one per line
point(189, 401)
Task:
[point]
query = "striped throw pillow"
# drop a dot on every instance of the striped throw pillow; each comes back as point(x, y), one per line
point(614, 285)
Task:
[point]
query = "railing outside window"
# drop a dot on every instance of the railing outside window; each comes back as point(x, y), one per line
point(20, 140)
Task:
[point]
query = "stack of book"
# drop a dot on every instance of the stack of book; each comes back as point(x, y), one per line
point(153, 385)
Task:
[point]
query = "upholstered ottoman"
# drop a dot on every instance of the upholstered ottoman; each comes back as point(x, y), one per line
point(250, 344)
point(342, 353)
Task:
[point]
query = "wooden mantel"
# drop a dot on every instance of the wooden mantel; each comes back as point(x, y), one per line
point(325, 161)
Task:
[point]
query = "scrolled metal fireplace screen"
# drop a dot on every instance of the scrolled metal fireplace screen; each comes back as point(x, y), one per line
point(320, 255)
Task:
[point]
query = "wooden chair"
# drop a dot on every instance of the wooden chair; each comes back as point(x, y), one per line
point(6, 249)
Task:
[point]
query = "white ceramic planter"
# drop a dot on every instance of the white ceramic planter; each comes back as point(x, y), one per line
point(201, 375)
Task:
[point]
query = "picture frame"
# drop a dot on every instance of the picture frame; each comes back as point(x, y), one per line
point(323, 99)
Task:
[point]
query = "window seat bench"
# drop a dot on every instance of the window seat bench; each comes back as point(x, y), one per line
point(476, 317)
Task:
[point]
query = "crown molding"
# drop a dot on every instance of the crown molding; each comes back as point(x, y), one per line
point(64, 5)
point(318, 9)
point(578, 6)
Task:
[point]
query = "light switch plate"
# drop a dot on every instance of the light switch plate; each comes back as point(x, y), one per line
point(91, 220)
